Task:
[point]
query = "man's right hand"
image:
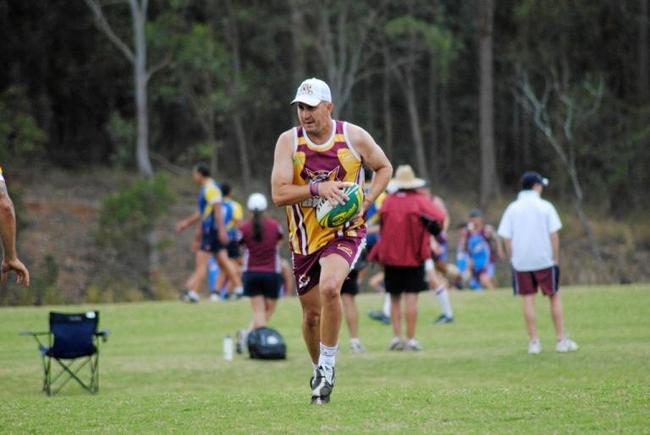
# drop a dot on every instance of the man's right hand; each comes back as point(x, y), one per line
point(180, 226)
point(333, 191)
point(22, 274)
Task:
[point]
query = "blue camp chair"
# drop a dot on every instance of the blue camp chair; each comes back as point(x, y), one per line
point(73, 342)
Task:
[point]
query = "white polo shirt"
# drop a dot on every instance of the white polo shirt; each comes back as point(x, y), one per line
point(528, 222)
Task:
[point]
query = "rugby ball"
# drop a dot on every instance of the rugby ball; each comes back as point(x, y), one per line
point(331, 216)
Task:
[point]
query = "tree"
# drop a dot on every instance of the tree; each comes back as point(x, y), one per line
point(344, 44)
point(489, 184)
point(418, 39)
point(141, 74)
point(561, 110)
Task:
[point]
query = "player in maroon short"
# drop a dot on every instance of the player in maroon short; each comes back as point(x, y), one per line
point(314, 162)
point(527, 283)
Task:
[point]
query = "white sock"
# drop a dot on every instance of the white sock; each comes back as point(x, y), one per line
point(327, 356)
point(443, 299)
point(355, 340)
point(239, 290)
point(387, 305)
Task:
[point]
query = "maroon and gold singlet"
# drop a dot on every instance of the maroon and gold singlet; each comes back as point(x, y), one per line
point(335, 160)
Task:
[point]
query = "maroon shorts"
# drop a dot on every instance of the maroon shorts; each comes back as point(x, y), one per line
point(306, 268)
point(527, 283)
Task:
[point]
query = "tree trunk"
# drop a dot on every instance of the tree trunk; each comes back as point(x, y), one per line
point(447, 131)
point(414, 123)
point(298, 51)
point(139, 16)
point(434, 147)
point(489, 186)
point(386, 107)
point(644, 72)
point(240, 133)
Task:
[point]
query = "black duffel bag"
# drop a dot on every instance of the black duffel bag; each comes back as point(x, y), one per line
point(266, 343)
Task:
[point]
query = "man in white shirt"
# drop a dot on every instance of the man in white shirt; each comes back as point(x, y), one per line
point(529, 228)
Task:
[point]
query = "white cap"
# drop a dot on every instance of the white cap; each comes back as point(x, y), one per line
point(257, 202)
point(312, 91)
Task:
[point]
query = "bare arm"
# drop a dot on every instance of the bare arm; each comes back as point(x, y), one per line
point(10, 259)
point(284, 191)
point(7, 224)
point(555, 245)
point(508, 244)
point(218, 219)
point(189, 221)
point(374, 157)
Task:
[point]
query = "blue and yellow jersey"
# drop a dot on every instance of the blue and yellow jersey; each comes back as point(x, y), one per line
point(233, 214)
point(372, 219)
point(209, 195)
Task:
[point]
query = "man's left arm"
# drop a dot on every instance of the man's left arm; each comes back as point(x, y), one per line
point(555, 246)
point(373, 157)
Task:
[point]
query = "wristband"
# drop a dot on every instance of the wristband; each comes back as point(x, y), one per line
point(313, 188)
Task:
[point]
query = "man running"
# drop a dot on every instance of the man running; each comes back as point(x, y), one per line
point(313, 161)
point(210, 233)
point(10, 259)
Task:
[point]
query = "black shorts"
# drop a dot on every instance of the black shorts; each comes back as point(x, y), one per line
point(351, 283)
point(265, 284)
point(404, 279)
point(210, 242)
point(233, 249)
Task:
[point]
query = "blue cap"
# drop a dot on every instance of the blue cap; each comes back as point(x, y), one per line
point(530, 178)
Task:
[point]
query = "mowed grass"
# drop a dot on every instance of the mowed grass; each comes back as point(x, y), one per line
point(162, 371)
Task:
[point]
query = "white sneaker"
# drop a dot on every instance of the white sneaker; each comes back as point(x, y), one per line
point(193, 297)
point(356, 346)
point(566, 345)
point(534, 347)
point(214, 297)
point(413, 345)
point(396, 343)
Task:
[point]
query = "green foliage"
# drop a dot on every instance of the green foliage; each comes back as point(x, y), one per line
point(20, 134)
point(122, 134)
point(43, 288)
point(126, 220)
point(162, 371)
point(433, 37)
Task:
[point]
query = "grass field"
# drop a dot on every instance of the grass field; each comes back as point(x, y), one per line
point(162, 371)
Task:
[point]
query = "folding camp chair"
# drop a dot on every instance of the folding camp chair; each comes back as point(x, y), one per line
point(75, 346)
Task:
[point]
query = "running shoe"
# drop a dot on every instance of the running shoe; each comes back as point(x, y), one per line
point(534, 347)
point(442, 319)
point(357, 347)
point(566, 345)
point(396, 343)
point(322, 385)
point(379, 316)
point(412, 345)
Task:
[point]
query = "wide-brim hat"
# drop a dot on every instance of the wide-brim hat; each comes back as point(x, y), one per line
point(405, 179)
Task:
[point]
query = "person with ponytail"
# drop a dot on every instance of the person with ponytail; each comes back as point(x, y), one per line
point(260, 236)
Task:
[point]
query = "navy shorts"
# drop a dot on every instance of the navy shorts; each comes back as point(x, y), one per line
point(265, 284)
point(404, 279)
point(233, 249)
point(210, 242)
point(351, 283)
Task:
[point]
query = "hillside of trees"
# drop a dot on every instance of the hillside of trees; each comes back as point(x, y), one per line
point(470, 93)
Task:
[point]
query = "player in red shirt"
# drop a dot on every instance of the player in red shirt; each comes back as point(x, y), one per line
point(408, 218)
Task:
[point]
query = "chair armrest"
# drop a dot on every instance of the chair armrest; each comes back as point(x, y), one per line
point(32, 334)
point(103, 333)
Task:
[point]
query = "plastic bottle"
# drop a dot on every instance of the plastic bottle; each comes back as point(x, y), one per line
point(227, 348)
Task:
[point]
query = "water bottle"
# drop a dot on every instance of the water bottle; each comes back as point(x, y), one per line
point(227, 348)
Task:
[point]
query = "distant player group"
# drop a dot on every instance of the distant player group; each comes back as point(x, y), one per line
point(400, 225)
